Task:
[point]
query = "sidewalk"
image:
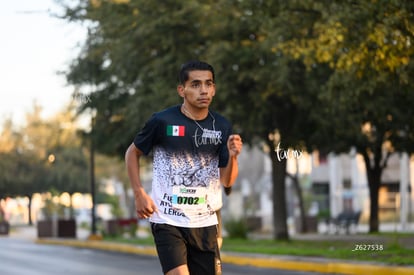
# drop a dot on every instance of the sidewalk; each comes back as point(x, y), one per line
point(298, 263)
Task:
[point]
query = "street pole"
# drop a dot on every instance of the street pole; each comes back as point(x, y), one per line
point(404, 194)
point(92, 177)
point(94, 235)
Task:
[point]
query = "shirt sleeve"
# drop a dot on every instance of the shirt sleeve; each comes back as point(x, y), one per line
point(148, 136)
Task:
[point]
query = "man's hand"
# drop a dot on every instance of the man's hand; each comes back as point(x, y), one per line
point(234, 144)
point(144, 205)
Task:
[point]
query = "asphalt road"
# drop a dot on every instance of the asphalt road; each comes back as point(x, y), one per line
point(24, 257)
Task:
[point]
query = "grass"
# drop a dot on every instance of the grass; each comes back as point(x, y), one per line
point(392, 252)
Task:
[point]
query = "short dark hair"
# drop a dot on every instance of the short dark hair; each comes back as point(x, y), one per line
point(193, 65)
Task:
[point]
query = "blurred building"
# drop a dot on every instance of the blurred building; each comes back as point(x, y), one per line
point(330, 184)
point(340, 184)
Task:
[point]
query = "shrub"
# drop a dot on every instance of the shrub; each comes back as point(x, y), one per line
point(236, 228)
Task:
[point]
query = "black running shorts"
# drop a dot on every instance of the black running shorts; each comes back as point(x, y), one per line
point(195, 247)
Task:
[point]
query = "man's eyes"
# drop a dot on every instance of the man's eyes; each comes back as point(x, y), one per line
point(198, 85)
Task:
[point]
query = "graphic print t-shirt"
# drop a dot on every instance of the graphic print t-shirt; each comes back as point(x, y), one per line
point(187, 157)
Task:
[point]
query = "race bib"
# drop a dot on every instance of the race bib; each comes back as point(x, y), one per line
point(189, 198)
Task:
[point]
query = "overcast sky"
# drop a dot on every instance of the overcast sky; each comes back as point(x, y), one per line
point(34, 46)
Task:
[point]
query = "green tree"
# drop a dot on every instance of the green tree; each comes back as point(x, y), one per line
point(23, 170)
point(367, 96)
point(40, 155)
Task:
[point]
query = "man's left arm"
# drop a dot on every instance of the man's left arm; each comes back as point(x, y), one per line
point(229, 173)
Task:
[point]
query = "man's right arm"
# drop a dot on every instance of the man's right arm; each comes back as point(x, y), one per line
point(143, 202)
point(132, 157)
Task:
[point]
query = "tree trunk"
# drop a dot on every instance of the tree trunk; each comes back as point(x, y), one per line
point(302, 215)
point(374, 172)
point(299, 194)
point(29, 206)
point(71, 209)
point(373, 184)
point(279, 197)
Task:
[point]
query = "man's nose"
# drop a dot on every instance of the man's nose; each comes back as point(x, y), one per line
point(204, 88)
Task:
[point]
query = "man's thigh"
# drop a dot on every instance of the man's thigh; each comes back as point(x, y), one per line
point(195, 247)
point(203, 253)
point(171, 246)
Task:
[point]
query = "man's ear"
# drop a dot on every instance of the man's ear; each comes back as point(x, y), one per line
point(180, 90)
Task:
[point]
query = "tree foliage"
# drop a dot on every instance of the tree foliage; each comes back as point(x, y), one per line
point(367, 95)
point(41, 155)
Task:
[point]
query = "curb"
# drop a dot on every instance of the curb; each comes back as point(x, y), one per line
point(282, 262)
point(300, 264)
point(108, 246)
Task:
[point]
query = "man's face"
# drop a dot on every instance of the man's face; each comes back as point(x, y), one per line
point(199, 89)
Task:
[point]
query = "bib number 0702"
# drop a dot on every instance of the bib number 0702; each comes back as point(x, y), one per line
point(187, 200)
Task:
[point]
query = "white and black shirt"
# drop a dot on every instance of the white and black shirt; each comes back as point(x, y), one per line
point(187, 156)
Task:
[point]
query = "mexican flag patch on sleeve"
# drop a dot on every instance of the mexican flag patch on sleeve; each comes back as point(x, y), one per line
point(175, 130)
